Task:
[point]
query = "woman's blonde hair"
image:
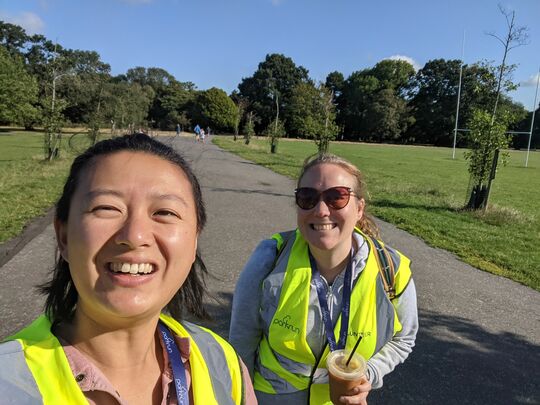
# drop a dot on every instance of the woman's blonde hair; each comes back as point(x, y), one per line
point(366, 223)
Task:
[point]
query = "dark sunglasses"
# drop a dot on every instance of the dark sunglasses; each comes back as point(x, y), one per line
point(334, 197)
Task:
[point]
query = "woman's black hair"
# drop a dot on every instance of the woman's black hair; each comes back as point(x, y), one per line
point(60, 292)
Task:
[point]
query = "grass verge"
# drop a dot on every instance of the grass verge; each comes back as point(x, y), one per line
point(29, 186)
point(422, 190)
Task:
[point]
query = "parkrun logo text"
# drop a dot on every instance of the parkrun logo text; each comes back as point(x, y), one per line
point(356, 334)
point(168, 342)
point(284, 323)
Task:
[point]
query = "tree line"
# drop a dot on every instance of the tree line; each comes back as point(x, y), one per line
point(42, 83)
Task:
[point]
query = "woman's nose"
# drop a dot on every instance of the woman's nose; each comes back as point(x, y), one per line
point(321, 209)
point(135, 232)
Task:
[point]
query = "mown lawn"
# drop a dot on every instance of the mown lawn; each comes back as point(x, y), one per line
point(29, 186)
point(422, 190)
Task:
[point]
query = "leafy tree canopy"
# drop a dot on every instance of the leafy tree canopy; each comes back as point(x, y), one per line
point(214, 108)
point(18, 90)
point(312, 112)
point(393, 74)
point(335, 82)
point(274, 78)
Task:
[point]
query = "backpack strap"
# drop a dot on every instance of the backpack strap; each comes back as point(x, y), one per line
point(386, 268)
point(282, 239)
point(286, 236)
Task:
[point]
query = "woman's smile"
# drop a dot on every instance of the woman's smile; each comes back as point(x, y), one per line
point(128, 216)
point(325, 228)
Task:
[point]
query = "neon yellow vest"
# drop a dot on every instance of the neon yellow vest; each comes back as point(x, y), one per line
point(50, 369)
point(287, 330)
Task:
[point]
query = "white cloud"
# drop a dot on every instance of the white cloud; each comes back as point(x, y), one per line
point(414, 63)
point(276, 2)
point(531, 81)
point(31, 22)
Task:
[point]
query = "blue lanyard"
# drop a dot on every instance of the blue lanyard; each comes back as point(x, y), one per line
point(345, 305)
point(179, 371)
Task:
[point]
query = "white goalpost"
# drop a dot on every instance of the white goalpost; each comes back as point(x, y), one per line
point(456, 129)
point(532, 119)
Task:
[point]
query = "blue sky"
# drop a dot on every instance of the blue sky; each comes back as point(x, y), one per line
point(218, 42)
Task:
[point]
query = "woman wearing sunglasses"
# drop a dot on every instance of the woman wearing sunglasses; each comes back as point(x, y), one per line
point(320, 288)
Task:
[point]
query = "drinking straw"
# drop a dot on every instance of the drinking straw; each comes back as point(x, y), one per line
point(353, 350)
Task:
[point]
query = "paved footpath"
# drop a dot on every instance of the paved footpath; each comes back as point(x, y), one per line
point(479, 339)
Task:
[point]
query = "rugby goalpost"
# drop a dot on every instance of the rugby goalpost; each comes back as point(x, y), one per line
point(456, 129)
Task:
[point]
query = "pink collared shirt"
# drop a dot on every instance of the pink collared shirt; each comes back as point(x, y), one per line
point(97, 388)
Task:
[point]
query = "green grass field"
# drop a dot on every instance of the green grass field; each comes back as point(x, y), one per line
point(29, 186)
point(422, 190)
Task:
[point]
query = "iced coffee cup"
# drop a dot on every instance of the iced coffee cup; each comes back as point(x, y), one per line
point(343, 378)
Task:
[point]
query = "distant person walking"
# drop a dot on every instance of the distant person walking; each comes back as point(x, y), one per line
point(178, 129)
point(202, 135)
point(197, 130)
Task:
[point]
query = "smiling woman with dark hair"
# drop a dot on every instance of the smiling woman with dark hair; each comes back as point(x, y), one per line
point(307, 292)
point(126, 225)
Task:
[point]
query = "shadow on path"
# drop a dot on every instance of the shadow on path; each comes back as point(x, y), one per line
point(479, 367)
point(238, 190)
point(219, 306)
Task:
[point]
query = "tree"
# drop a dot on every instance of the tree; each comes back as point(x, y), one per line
point(387, 117)
point(83, 87)
point(126, 104)
point(243, 105)
point(18, 90)
point(277, 76)
point(275, 130)
point(154, 77)
point(215, 108)
point(312, 114)
point(13, 38)
point(363, 89)
point(37, 53)
point(171, 104)
point(394, 75)
point(486, 138)
point(515, 36)
point(171, 100)
point(249, 128)
point(53, 122)
point(433, 99)
point(335, 82)
point(355, 98)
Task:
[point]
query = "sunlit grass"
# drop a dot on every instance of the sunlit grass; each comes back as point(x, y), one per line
point(29, 185)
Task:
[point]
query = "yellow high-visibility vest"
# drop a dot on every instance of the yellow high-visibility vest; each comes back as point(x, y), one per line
point(372, 316)
point(34, 366)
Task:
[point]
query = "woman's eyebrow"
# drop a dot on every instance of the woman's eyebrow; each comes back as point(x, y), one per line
point(159, 196)
point(172, 197)
point(102, 191)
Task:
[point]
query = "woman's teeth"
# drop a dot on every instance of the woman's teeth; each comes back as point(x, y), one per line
point(322, 227)
point(131, 268)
